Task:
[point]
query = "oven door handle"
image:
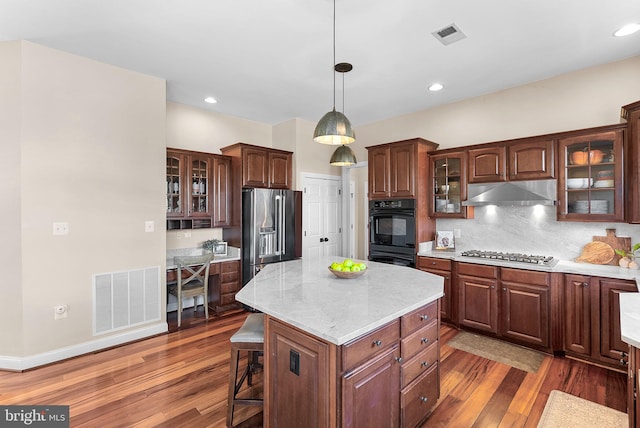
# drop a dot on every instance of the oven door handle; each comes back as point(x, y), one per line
point(406, 257)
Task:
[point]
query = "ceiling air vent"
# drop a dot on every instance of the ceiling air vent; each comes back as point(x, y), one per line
point(449, 34)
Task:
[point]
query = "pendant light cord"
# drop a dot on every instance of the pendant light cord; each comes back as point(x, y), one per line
point(334, 55)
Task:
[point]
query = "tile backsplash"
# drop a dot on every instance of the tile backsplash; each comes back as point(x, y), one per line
point(532, 230)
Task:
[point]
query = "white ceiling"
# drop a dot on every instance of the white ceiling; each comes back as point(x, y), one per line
point(271, 60)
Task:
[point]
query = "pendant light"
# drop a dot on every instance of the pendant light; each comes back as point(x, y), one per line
point(343, 155)
point(334, 128)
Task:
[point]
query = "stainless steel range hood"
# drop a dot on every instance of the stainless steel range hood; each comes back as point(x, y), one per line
point(518, 193)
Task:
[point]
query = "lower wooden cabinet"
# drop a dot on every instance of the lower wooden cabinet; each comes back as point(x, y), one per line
point(592, 319)
point(633, 384)
point(370, 392)
point(478, 297)
point(525, 305)
point(229, 284)
point(441, 267)
point(388, 377)
point(513, 304)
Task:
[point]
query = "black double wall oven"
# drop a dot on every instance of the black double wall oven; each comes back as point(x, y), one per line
point(392, 231)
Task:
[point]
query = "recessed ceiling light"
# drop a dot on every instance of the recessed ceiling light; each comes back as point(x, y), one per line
point(210, 100)
point(435, 87)
point(627, 29)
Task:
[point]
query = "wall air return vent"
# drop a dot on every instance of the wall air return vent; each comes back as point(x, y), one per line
point(449, 34)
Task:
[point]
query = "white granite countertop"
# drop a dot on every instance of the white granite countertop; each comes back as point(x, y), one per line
point(233, 253)
point(563, 266)
point(630, 318)
point(304, 294)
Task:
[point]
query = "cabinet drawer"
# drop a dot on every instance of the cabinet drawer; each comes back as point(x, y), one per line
point(419, 364)
point(229, 277)
point(434, 263)
point(417, 399)
point(525, 276)
point(232, 266)
point(370, 344)
point(229, 287)
point(483, 271)
point(227, 299)
point(419, 340)
point(418, 318)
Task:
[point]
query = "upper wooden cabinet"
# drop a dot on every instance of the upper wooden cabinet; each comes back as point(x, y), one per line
point(488, 164)
point(531, 160)
point(197, 189)
point(448, 185)
point(631, 113)
point(590, 176)
point(399, 170)
point(262, 166)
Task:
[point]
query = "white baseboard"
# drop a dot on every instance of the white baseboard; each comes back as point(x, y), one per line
point(24, 363)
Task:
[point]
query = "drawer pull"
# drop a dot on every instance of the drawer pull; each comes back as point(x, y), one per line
point(399, 359)
point(424, 399)
point(424, 317)
point(424, 340)
point(425, 364)
point(377, 342)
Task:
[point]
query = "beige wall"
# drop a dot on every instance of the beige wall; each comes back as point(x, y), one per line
point(11, 341)
point(582, 99)
point(92, 153)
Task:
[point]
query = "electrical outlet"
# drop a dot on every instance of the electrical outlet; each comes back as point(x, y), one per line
point(60, 311)
point(61, 228)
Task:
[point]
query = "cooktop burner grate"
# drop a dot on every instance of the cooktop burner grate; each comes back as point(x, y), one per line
point(510, 257)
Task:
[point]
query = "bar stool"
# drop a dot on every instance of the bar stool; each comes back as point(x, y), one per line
point(250, 338)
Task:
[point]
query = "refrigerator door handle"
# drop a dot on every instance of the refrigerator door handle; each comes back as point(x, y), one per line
point(278, 221)
point(283, 214)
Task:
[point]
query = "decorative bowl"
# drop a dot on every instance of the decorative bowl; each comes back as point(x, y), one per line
point(346, 275)
point(584, 157)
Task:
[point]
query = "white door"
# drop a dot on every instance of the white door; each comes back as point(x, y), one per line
point(321, 216)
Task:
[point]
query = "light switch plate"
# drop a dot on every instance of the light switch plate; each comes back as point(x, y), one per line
point(149, 226)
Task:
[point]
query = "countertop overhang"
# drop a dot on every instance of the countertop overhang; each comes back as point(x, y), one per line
point(304, 294)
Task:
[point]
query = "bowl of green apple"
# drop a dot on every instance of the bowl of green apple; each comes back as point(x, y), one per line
point(348, 268)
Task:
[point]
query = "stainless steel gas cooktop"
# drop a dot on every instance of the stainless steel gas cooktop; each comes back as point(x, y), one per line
point(511, 257)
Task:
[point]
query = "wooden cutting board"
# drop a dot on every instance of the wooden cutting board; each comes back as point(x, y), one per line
point(596, 252)
point(616, 242)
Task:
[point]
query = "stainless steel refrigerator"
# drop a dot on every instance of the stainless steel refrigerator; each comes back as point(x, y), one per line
point(268, 229)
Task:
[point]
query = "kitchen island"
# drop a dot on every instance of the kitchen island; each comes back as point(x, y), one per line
point(347, 352)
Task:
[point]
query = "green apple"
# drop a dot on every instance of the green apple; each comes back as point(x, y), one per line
point(346, 268)
point(336, 266)
point(355, 268)
point(362, 266)
point(347, 263)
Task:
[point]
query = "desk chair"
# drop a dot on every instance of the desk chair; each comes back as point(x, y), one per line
point(250, 338)
point(195, 282)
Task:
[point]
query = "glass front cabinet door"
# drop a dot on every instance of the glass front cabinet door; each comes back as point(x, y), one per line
point(175, 193)
point(590, 185)
point(448, 185)
point(199, 186)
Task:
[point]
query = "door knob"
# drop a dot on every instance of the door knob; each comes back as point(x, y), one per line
point(326, 239)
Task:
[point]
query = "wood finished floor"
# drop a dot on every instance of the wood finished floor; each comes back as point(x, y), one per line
point(180, 379)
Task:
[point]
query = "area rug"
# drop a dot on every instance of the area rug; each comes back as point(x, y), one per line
point(568, 411)
point(506, 353)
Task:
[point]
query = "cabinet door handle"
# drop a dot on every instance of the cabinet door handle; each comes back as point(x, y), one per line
point(399, 359)
point(504, 289)
point(424, 317)
point(425, 364)
point(585, 284)
point(377, 342)
point(424, 399)
point(446, 277)
point(424, 340)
